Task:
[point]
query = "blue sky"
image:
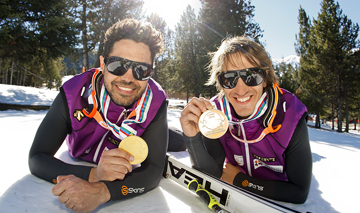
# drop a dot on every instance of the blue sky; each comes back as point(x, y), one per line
point(278, 18)
point(279, 21)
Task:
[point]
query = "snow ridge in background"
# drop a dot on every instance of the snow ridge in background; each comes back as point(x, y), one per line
point(294, 60)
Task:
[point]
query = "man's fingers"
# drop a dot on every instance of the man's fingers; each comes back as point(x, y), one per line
point(114, 164)
point(61, 185)
point(57, 190)
point(190, 116)
point(202, 103)
point(199, 103)
point(207, 103)
point(191, 119)
point(62, 198)
point(113, 158)
point(197, 107)
point(60, 178)
point(119, 153)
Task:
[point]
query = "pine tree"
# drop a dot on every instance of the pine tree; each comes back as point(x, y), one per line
point(162, 63)
point(288, 77)
point(108, 13)
point(351, 87)
point(335, 37)
point(187, 53)
point(30, 28)
point(323, 48)
point(220, 19)
point(309, 92)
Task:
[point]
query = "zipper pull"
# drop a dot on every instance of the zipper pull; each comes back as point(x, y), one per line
point(125, 113)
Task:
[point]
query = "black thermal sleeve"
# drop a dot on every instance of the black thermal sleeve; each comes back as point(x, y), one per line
point(176, 141)
point(206, 155)
point(48, 139)
point(147, 176)
point(298, 167)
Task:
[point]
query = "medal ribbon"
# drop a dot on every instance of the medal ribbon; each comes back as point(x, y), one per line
point(260, 109)
point(140, 113)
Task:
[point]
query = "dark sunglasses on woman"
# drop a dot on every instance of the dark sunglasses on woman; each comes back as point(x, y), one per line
point(251, 77)
point(119, 66)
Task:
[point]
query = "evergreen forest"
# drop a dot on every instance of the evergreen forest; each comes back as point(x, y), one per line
point(42, 41)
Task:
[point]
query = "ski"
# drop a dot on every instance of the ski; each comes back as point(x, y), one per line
point(230, 198)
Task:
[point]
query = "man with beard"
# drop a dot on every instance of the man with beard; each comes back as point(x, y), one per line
point(95, 111)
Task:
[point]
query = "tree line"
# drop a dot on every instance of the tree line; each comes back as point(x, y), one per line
point(45, 40)
point(39, 35)
point(327, 78)
point(329, 72)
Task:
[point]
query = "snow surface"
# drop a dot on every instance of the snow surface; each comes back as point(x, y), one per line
point(334, 186)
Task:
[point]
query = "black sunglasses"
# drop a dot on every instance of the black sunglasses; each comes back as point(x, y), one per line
point(251, 77)
point(119, 66)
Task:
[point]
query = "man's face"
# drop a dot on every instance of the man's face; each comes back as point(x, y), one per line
point(243, 98)
point(125, 90)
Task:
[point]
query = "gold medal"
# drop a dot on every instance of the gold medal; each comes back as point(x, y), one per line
point(213, 124)
point(136, 146)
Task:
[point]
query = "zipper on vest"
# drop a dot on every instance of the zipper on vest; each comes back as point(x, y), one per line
point(247, 151)
point(99, 146)
point(123, 114)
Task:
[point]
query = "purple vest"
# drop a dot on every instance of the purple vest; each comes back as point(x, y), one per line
point(265, 159)
point(88, 139)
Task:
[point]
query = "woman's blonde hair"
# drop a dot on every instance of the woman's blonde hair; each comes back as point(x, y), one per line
point(246, 49)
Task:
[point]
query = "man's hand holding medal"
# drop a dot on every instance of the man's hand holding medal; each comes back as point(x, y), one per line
point(199, 115)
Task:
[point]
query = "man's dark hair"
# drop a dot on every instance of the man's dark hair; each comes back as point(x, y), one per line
point(137, 31)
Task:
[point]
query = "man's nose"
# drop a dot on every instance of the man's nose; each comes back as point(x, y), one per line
point(128, 76)
point(241, 88)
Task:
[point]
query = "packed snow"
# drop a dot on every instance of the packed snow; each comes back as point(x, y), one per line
point(334, 184)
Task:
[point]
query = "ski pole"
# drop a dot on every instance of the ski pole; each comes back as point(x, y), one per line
point(206, 196)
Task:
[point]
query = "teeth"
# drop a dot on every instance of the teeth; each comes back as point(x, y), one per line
point(124, 88)
point(243, 99)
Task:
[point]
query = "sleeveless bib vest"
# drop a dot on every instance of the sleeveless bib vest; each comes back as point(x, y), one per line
point(264, 159)
point(88, 139)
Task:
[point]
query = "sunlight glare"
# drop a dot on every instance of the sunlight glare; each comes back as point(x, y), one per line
point(170, 11)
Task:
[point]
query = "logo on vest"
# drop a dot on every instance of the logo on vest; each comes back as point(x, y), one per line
point(113, 141)
point(258, 163)
point(78, 114)
point(239, 159)
point(273, 159)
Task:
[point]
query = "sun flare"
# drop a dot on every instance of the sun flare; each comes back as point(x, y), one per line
point(170, 11)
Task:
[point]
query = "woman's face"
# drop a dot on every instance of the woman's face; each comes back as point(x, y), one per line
point(243, 98)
